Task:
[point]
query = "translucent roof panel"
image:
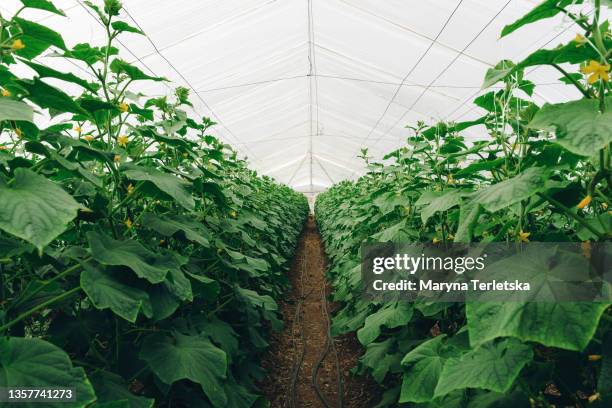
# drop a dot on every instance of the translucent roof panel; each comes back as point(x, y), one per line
point(300, 86)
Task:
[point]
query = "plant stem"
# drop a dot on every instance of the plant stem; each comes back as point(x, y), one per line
point(571, 214)
point(35, 309)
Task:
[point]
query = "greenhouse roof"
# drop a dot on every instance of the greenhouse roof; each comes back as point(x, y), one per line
point(300, 86)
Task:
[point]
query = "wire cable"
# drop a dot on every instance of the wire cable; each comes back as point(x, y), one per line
point(187, 82)
point(423, 55)
point(459, 54)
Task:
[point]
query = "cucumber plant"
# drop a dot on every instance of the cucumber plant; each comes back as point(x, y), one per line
point(139, 256)
point(541, 174)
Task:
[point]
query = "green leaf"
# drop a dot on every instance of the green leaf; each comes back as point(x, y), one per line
point(171, 225)
point(35, 363)
point(468, 218)
point(501, 195)
point(34, 208)
point(46, 72)
point(145, 263)
point(193, 358)
point(112, 388)
point(436, 202)
point(15, 110)
point(394, 233)
point(497, 73)
point(134, 73)
point(107, 290)
point(42, 5)
point(47, 96)
point(424, 365)
point(122, 26)
point(578, 125)
point(564, 325)
point(37, 38)
point(547, 9)
point(391, 316)
point(166, 184)
point(378, 358)
point(493, 366)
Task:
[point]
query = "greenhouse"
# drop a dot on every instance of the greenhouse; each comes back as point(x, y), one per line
point(305, 203)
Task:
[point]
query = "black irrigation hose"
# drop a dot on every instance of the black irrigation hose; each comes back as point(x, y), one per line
point(329, 343)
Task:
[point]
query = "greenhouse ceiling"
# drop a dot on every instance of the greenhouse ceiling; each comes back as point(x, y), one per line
point(299, 86)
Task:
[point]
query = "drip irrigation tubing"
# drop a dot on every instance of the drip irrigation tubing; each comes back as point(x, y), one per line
point(329, 344)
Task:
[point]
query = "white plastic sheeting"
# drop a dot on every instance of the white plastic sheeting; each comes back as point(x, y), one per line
point(299, 86)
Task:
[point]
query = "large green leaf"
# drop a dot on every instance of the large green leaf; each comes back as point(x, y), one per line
point(468, 218)
point(565, 325)
point(171, 225)
point(166, 183)
point(107, 290)
point(15, 110)
point(379, 359)
point(501, 195)
point(438, 201)
point(145, 263)
point(391, 316)
point(493, 366)
point(193, 358)
point(37, 38)
point(423, 367)
point(42, 5)
point(578, 125)
point(547, 9)
point(49, 97)
point(35, 363)
point(35, 208)
point(112, 388)
point(46, 72)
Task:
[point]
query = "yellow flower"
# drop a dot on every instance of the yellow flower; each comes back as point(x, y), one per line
point(19, 133)
point(594, 397)
point(122, 140)
point(3, 148)
point(130, 188)
point(594, 357)
point(128, 223)
point(451, 237)
point(585, 202)
point(162, 241)
point(117, 158)
point(596, 71)
point(89, 138)
point(78, 129)
point(17, 45)
point(124, 107)
point(233, 214)
point(435, 240)
point(580, 40)
point(6, 93)
point(524, 236)
point(604, 206)
point(451, 180)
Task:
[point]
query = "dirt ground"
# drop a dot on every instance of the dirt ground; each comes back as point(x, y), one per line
point(304, 346)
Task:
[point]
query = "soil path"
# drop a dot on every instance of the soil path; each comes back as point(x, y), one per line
point(304, 346)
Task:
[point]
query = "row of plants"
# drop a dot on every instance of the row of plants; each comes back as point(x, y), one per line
point(543, 174)
point(139, 256)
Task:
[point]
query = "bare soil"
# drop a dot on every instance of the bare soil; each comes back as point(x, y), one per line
point(304, 346)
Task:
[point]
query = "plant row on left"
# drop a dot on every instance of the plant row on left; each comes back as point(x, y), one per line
point(139, 256)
